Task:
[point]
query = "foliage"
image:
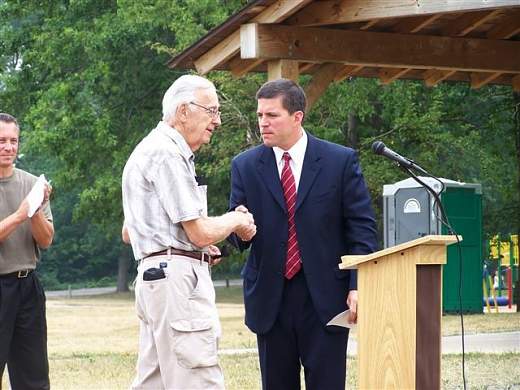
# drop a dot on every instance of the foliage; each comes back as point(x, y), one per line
point(452, 131)
point(86, 79)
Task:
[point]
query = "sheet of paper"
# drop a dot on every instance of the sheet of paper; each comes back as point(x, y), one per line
point(342, 320)
point(35, 197)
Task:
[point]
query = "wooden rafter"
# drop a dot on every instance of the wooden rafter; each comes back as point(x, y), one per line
point(320, 81)
point(459, 28)
point(369, 24)
point(434, 76)
point(387, 75)
point(241, 67)
point(411, 25)
point(507, 28)
point(348, 71)
point(480, 79)
point(230, 46)
point(306, 67)
point(379, 49)
point(516, 83)
point(469, 22)
point(414, 25)
point(348, 11)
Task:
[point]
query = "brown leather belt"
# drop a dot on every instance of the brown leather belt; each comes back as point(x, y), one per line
point(193, 254)
point(18, 274)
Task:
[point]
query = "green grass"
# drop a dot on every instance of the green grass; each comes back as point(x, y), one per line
point(93, 345)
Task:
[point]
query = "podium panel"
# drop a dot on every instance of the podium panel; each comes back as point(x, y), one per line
point(388, 335)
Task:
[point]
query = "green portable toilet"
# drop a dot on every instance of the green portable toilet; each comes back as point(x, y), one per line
point(409, 214)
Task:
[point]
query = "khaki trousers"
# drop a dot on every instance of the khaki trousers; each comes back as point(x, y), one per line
point(179, 327)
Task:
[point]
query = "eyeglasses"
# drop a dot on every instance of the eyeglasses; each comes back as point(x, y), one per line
point(214, 112)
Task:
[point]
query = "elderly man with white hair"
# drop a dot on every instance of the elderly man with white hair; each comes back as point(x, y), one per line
point(172, 237)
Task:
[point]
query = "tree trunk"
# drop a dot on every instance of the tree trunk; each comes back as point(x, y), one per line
point(351, 131)
point(122, 272)
point(516, 99)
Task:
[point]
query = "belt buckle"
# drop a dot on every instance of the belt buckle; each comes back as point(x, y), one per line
point(22, 274)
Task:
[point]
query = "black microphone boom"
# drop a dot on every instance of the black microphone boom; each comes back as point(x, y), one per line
point(380, 148)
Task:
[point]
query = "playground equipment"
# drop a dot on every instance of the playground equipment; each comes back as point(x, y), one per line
point(500, 271)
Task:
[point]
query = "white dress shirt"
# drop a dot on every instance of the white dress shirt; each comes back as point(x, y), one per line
point(297, 153)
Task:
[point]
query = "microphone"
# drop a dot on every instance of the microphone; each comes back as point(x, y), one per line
point(380, 148)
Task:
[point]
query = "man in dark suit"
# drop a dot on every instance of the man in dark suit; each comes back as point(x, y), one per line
point(311, 206)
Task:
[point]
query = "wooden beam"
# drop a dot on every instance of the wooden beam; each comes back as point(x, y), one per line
point(434, 76)
point(516, 83)
point(348, 11)
point(386, 75)
point(269, 41)
point(468, 22)
point(230, 46)
point(504, 29)
point(478, 80)
point(507, 27)
point(320, 81)
point(283, 69)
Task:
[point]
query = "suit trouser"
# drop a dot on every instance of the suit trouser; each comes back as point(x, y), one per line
point(23, 333)
point(179, 326)
point(299, 338)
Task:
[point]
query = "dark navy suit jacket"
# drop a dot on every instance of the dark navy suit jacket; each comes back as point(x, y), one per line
point(333, 217)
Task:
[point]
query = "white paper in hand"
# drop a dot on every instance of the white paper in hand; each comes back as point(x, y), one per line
point(35, 197)
point(342, 320)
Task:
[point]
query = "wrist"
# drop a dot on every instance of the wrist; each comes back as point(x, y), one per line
point(20, 216)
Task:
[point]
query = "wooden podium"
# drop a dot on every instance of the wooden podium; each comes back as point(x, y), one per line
point(399, 314)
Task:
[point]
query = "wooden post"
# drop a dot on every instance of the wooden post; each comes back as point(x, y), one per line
point(283, 69)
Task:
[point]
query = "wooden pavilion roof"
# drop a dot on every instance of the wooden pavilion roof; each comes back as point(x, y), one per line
point(431, 40)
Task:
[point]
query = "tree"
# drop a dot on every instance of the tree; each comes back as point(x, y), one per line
point(86, 80)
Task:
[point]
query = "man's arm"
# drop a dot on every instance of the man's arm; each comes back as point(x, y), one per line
point(205, 231)
point(42, 229)
point(360, 231)
point(125, 236)
point(360, 226)
point(11, 222)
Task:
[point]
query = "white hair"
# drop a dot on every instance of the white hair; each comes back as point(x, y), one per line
point(182, 91)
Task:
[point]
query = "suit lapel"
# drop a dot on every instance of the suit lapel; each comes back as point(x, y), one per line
point(269, 173)
point(310, 169)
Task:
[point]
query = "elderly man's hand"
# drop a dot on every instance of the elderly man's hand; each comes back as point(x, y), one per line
point(246, 232)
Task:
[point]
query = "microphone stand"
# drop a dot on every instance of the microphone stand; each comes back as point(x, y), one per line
point(444, 220)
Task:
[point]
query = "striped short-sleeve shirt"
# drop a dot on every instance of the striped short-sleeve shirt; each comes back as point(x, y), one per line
point(160, 191)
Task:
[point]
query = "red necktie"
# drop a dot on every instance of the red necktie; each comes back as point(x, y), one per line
point(293, 263)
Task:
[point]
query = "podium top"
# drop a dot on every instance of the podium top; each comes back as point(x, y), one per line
point(352, 261)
